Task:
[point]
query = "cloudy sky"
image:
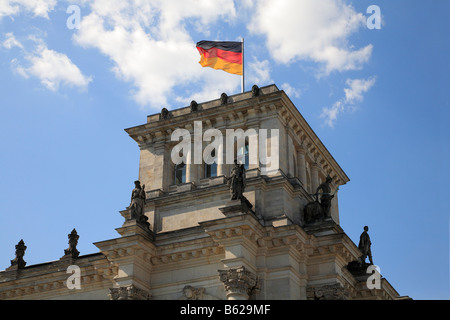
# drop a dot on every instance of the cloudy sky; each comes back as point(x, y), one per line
point(74, 74)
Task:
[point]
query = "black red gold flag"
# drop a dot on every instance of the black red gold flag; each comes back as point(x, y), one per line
point(223, 55)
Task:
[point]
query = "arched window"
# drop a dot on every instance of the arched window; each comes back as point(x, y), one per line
point(180, 173)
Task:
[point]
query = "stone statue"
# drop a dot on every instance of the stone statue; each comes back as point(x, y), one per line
point(255, 91)
point(237, 181)
point(165, 114)
point(137, 203)
point(326, 196)
point(364, 246)
point(313, 212)
point(194, 106)
point(223, 98)
point(20, 252)
point(318, 211)
point(73, 242)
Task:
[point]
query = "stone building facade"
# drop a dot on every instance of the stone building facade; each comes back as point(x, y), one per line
point(195, 243)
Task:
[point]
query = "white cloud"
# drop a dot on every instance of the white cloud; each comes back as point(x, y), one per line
point(330, 114)
point(353, 94)
point(53, 68)
point(356, 89)
point(291, 91)
point(50, 67)
point(258, 72)
point(11, 41)
point(150, 47)
point(311, 30)
point(39, 8)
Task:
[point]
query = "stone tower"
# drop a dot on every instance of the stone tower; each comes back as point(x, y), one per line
point(184, 238)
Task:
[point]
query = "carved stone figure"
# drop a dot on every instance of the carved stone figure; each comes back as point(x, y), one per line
point(237, 181)
point(194, 106)
point(364, 246)
point(20, 252)
point(255, 91)
point(317, 211)
point(165, 114)
point(191, 293)
point(137, 203)
point(313, 212)
point(223, 98)
point(73, 242)
point(326, 196)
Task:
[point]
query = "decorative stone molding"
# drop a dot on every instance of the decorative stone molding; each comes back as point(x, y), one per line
point(239, 282)
point(128, 293)
point(327, 292)
point(186, 255)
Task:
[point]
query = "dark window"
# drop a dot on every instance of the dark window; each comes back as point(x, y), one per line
point(180, 173)
point(211, 169)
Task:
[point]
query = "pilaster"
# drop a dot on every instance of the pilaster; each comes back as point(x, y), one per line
point(301, 165)
point(314, 177)
point(131, 254)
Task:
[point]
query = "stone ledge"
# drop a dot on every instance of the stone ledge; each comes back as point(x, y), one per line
point(237, 207)
point(184, 187)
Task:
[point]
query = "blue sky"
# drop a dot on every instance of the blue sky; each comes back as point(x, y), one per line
point(377, 98)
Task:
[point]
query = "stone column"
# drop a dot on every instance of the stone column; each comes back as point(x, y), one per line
point(157, 172)
point(314, 177)
point(221, 169)
point(301, 165)
point(191, 168)
point(239, 282)
point(253, 148)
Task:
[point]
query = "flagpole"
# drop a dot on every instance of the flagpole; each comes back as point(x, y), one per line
point(243, 76)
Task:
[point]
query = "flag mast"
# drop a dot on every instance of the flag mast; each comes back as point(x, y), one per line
point(243, 77)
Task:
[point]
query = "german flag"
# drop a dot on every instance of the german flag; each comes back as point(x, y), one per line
point(224, 55)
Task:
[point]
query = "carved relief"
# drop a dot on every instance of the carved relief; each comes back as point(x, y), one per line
point(128, 293)
point(191, 293)
point(327, 292)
